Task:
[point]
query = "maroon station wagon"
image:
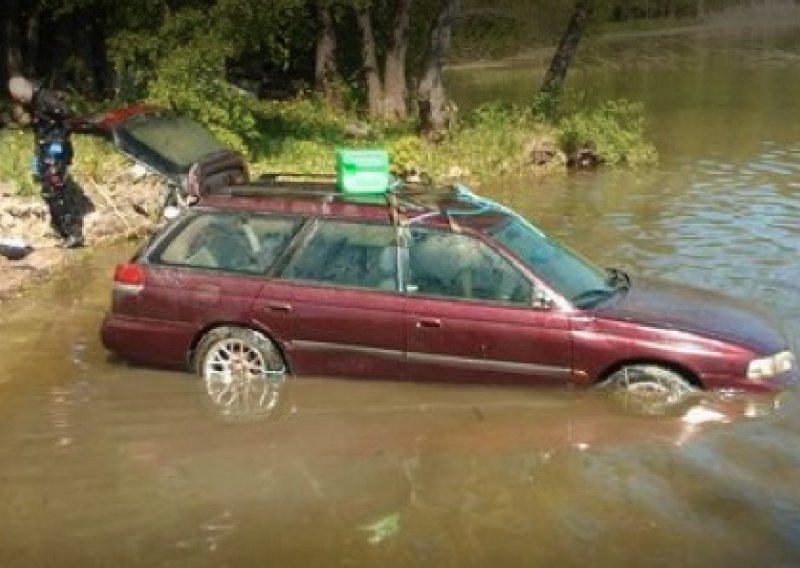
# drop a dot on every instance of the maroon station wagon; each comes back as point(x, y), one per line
point(273, 278)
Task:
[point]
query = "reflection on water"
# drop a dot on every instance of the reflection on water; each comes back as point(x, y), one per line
point(102, 463)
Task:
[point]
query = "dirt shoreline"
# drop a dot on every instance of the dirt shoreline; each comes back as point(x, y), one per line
point(125, 209)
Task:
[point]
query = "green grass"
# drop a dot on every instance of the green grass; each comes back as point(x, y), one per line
point(94, 159)
point(302, 136)
point(16, 160)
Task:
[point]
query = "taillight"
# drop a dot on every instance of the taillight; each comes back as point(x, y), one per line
point(129, 278)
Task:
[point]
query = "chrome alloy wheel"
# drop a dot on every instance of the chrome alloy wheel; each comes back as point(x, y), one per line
point(243, 373)
point(650, 389)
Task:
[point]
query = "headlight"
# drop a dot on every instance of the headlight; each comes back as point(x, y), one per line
point(770, 366)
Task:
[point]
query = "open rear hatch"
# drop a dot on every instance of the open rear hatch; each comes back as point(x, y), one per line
point(176, 147)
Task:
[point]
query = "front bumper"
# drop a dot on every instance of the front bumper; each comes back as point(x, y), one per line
point(741, 384)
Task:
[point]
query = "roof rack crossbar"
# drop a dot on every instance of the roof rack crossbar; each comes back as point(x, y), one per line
point(255, 190)
point(276, 176)
point(400, 196)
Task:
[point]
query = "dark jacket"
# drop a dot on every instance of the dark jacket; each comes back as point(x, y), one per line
point(49, 118)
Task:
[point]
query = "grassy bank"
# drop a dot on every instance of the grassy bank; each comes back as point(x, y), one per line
point(301, 135)
point(95, 159)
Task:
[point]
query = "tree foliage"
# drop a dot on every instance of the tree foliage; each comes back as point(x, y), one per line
point(93, 46)
point(217, 60)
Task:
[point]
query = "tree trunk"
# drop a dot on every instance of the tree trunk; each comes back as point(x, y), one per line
point(61, 45)
point(81, 49)
point(99, 64)
point(701, 9)
point(433, 112)
point(13, 62)
point(32, 34)
point(370, 61)
point(557, 73)
point(326, 75)
point(395, 80)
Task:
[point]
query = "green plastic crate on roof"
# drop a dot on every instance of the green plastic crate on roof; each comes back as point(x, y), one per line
point(362, 171)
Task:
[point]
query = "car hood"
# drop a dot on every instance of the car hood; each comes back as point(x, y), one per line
point(674, 306)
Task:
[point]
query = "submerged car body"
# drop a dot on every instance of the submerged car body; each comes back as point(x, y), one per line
point(419, 285)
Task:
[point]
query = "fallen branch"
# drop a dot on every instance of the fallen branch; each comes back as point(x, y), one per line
point(110, 202)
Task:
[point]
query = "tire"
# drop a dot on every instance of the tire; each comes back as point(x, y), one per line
point(243, 373)
point(649, 389)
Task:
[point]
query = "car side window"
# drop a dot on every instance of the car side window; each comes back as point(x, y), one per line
point(458, 266)
point(347, 254)
point(226, 241)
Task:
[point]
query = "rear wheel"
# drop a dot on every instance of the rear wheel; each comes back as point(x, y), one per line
point(242, 371)
point(649, 389)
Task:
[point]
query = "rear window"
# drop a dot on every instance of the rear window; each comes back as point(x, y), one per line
point(179, 140)
point(229, 241)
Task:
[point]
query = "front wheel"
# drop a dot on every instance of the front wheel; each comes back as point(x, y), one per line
point(242, 371)
point(649, 389)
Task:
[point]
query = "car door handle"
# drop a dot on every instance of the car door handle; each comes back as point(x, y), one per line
point(279, 306)
point(429, 322)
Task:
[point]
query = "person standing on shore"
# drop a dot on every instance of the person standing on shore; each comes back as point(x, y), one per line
point(53, 156)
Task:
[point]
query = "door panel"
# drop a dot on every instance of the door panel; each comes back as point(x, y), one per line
point(212, 269)
point(470, 316)
point(463, 341)
point(358, 333)
point(347, 312)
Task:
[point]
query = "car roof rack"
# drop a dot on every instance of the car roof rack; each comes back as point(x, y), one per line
point(280, 184)
point(290, 183)
point(452, 200)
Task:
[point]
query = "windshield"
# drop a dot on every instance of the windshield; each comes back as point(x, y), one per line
point(569, 274)
point(179, 140)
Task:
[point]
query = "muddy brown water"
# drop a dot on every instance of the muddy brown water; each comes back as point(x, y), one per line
point(105, 464)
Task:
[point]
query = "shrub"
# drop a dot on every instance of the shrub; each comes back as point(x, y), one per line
point(488, 141)
point(406, 153)
point(614, 130)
